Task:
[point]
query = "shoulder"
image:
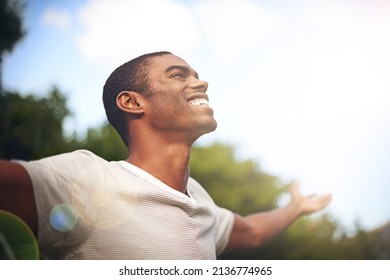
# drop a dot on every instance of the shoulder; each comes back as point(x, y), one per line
point(66, 168)
point(64, 161)
point(199, 193)
point(77, 155)
point(194, 187)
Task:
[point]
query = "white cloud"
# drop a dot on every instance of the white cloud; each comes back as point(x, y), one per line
point(116, 31)
point(56, 18)
point(231, 25)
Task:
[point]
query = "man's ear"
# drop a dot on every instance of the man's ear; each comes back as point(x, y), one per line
point(130, 102)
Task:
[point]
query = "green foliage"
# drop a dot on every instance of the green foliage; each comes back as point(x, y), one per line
point(11, 29)
point(239, 186)
point(306, 239)
point(32, 127)
point(11, 25)
point(105, 142)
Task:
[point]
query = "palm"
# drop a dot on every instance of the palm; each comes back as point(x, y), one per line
point(308, 204)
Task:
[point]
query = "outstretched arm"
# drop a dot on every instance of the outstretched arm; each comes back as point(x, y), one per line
point(253, 231)
point(16, 193)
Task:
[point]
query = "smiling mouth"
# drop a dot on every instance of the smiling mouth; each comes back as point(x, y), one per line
point(199, 101)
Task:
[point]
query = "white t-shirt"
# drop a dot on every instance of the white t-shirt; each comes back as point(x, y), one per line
point(89, 208)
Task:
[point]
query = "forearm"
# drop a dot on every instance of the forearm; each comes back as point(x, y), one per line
point(254, 230)
point(267, 225)
point(16, 193)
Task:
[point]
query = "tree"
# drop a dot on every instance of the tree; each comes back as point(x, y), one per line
point(237, 185)
point(32, 127)
point(11, 28)
point(103, 141)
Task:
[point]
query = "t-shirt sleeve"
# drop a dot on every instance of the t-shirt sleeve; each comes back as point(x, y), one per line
point(61, 189)
point(225, 222)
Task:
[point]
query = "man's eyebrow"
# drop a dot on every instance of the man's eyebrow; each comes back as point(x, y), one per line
point(185, 69)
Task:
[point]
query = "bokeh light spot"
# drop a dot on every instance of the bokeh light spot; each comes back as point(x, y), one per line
point(63, 217)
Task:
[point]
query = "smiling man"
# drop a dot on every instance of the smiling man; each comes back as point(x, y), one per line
point(81, 206)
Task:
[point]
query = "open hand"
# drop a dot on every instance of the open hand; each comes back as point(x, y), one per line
point(308, 204)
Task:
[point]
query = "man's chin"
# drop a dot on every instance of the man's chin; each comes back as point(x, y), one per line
point(210, 127)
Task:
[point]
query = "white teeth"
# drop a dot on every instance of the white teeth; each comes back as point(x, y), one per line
point(198, 101)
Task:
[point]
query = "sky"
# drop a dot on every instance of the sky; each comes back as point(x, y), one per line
point(302, 87)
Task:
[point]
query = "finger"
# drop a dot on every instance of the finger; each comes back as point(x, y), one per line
point(324, 200)
point(294, 187)
point(321, 197)
point(295, 184)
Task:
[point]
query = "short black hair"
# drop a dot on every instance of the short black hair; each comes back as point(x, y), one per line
point(130, 76)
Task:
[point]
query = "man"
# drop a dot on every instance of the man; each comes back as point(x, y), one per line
point(146, 207)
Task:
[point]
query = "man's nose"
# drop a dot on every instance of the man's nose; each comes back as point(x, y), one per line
point(199, 84)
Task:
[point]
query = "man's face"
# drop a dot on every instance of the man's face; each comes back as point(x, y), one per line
point(178, 102)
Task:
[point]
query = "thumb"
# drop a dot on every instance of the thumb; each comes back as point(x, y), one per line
point(294, 188)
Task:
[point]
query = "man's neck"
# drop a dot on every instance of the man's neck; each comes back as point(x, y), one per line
point(168, 163)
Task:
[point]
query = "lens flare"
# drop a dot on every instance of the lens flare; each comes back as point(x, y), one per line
point(17, 241)
point(63, 217)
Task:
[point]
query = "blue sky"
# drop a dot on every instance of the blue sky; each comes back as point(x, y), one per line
point(302, 87)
